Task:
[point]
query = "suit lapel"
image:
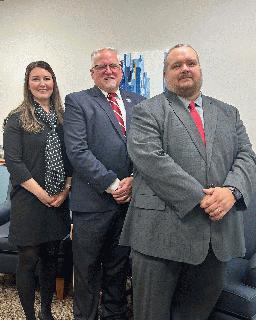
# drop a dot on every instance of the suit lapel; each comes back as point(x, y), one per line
point(103, 103)
point(210, 120)
point(187, 121)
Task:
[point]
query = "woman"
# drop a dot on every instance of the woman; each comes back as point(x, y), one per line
point(41, 179)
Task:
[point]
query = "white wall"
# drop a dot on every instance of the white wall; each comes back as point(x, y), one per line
point(64, 32)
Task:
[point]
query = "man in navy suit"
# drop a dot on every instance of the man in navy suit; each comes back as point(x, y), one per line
point(95, 139)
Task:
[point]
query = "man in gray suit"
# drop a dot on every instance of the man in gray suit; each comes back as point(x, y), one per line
point(96, 123)
point(194, 174)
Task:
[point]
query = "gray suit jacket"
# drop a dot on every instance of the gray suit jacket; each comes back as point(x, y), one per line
point(96, 147)
point(172, 166)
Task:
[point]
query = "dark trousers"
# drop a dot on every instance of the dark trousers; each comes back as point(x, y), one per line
point(47, 255)
point(100, 265)
point(169, 290)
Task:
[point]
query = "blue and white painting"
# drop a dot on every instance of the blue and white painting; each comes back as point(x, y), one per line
point(135, 78)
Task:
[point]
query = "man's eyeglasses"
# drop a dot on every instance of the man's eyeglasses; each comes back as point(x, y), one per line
point(112, 66)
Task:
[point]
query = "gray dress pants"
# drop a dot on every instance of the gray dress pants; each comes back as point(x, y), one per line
point(169, 290)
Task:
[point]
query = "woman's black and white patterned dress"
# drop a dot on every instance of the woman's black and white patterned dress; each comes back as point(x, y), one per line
point(32, 222)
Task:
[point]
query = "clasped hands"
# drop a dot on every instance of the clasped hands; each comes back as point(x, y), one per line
point(124, 191)
point(217, 202)
point(53, 201)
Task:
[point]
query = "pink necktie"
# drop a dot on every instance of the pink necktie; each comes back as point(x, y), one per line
point(115, 107)
point(196, 117)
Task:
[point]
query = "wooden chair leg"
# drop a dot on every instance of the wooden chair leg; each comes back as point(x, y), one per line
point(60, 288)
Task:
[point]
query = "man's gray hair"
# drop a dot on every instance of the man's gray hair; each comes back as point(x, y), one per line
point(179, 45)
point(97, 51)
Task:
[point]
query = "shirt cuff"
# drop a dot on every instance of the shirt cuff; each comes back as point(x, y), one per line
point(113, 186)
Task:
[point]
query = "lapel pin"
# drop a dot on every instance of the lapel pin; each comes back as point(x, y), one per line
point(128, 100)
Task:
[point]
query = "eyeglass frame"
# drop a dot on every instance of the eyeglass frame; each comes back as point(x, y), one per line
point(112, 66)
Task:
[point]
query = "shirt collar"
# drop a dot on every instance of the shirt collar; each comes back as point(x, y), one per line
point(198, 101)
point(106, 93)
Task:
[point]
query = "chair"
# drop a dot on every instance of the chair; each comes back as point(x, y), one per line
point(8, 253)
point(238, 299)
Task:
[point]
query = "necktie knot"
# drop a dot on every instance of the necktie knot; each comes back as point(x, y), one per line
point(112, 96)
point(192, 106)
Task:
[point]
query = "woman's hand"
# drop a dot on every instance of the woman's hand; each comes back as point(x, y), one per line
point(45, 198)
point(32, 186)
point(50, 201)
point(59, 198)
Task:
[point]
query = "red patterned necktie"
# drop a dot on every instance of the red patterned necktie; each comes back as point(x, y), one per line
point(197, 119)
point(117, 111)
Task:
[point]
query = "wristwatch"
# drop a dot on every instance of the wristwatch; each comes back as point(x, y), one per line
point(236, 193)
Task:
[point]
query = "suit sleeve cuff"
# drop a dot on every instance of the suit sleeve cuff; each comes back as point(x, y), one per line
point(113, 186)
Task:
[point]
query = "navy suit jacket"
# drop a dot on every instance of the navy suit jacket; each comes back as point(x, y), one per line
point(96, 147)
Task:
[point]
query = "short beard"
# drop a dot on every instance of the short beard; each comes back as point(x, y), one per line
point(187, 92)
point(112, 86)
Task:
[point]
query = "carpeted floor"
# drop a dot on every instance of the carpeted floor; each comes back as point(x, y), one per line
point(10, 308)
